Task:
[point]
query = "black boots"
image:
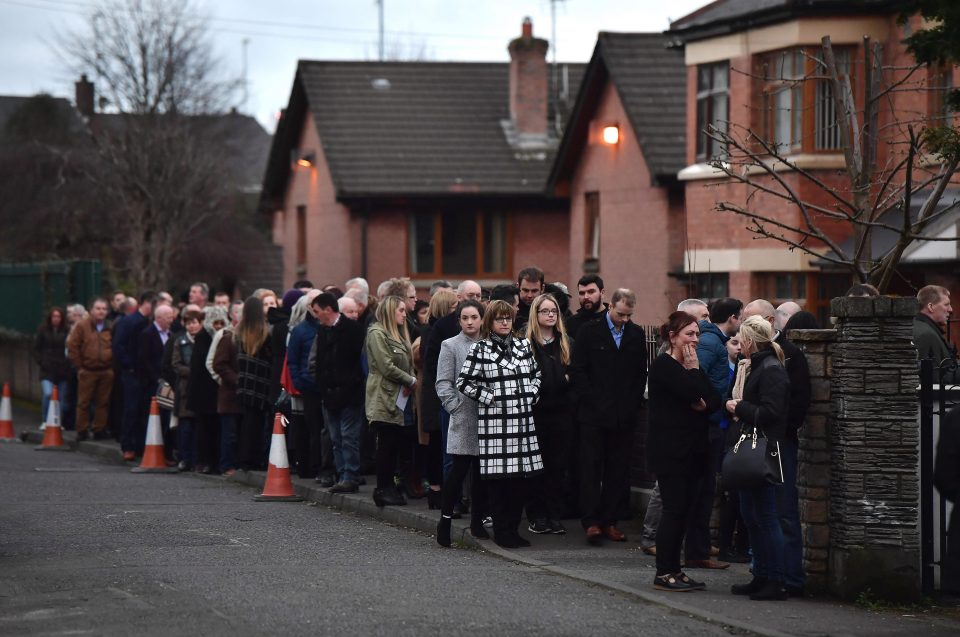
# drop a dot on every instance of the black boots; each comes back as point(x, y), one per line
point(433, 499)
point(388, 497)
point(443, 531)
point(761, 589)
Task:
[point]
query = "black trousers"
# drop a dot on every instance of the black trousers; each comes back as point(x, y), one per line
point(547, 490)
point(677, 492)
point(250, 438)
point(434, 458)
point(206, 428)
point(464, 466)
point(506, 497)
point(697, 545)
point(392, 440)
point(315, 439)
point(604, 474)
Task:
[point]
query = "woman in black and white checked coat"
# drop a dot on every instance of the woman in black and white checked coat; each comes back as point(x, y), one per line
point(501, 374)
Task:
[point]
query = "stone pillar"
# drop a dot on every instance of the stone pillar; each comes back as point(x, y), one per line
point(813, 477)
point(874, 531)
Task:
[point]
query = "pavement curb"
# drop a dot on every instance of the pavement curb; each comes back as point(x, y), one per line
point(362, 504)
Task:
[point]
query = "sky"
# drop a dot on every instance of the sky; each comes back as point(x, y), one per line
point(280, 32)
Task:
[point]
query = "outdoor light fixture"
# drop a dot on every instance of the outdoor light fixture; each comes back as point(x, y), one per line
point(611, 135)
point(307, 160)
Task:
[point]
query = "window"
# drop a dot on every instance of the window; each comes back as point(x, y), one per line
point(797, 108)
point(708, 286)
point(713, 101)
point(459, 244)
point(778, 287)
point(301, 236)
point(591, 211)
point(940, 83)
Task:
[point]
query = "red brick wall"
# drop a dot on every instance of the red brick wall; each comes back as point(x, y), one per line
point(637, 249)
point(541, 238)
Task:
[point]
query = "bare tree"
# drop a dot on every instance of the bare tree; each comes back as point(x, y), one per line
point(870, 188)
point(162, 181)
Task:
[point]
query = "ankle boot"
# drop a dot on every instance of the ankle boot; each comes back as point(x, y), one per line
point(770, 591)
point(433, 499)
point(748, 589)
point(443, 531)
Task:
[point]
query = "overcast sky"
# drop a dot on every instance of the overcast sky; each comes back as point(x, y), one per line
point(280, 32)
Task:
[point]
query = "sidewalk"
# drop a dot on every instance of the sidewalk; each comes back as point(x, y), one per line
point(619, 567)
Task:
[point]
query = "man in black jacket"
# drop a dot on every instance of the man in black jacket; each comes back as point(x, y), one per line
point(609, 374)
point(335, 365)
point(530, 285)
point(788, 502)
point(151, 342)
point(592, 307)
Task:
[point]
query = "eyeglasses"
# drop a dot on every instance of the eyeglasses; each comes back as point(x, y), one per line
point(548, 312)
point(503, 319)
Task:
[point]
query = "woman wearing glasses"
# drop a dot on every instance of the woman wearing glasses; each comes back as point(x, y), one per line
point(502, 375)
point(552, 348)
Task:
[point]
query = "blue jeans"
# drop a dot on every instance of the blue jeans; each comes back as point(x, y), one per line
point(132, 432)
point(344, 426)
point(47, 387)
point(788, 509)
point(444, 429)
point(759, 510)
point(185, 441)
point(228, 441)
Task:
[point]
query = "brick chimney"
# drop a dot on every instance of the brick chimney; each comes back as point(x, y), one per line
point(528, 82)
point(83, 96)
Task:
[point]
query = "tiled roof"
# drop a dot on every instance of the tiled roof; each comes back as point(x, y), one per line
point(726, 16)
point(410, 128)
point(650, 79)
point(11, 105)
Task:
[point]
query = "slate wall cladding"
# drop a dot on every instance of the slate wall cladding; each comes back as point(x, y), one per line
point(858, 479)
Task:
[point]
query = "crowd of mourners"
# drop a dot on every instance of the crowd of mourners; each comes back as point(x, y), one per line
point(499, 404)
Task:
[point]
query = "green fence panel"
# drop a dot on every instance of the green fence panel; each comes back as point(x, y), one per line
point(29, 289)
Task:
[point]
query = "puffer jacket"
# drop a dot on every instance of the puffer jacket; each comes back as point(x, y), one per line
point(391, 367)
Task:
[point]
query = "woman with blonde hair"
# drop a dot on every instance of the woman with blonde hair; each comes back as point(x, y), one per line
point(552, 413)
point(254, 354)
point(502, 375)
point(760, 399)
point(390, 382)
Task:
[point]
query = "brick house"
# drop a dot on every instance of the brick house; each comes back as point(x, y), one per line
point(422, 169)
point(739, 57)
point(618, 163)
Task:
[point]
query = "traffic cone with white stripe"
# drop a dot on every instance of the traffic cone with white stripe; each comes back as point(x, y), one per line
point(6, 417)
point(153, 459)
point(53, 433)
point(278, 487)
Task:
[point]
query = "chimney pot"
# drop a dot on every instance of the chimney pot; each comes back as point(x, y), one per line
point(526, 28)
point(83, 96)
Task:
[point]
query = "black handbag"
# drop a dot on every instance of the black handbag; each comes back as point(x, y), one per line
point(284, 404)
point(752, 463)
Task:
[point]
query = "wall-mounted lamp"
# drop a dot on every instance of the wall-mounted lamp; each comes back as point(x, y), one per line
point(307, 160)
point(611, 135)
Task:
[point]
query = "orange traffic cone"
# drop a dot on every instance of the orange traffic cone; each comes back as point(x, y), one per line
point(53, 433)
point(153, 459)
point(6, 417)
point(278, 487)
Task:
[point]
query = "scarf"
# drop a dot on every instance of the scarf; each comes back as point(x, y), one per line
point(743, 370)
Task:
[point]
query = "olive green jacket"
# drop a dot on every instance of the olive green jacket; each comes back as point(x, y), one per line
point(391, 367)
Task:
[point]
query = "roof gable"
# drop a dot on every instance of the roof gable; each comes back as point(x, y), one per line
point(650, 80)
point(411, 128)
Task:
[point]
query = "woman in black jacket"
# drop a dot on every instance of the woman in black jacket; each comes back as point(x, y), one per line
point(761, 395)
point(50, 352)
point(202, 398)
point(552, 413)
point(681, 399)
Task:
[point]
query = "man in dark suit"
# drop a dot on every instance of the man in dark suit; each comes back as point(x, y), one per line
point(335, 364)
point(151, 342)
point(126, 340)
point(609, 373)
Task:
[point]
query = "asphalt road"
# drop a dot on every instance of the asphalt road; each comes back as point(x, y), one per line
point(86, 547)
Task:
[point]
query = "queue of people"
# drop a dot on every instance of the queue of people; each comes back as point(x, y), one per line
point(499, 404)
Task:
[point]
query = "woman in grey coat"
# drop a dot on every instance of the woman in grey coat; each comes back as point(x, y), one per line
point(462, 438)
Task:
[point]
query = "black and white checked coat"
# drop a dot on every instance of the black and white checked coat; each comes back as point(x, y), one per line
point(505, 382)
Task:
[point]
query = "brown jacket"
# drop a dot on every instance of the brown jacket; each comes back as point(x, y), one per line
point(88, 349)
point(225, 364)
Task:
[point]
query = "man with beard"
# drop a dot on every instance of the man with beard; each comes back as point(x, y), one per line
point(590, 290)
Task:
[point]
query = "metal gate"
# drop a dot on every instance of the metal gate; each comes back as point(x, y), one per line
point(936, 399)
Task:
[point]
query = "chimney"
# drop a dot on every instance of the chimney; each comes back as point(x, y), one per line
point(83, 92)
point(528, 82)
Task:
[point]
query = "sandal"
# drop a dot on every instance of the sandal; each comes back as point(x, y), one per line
point(672, 583)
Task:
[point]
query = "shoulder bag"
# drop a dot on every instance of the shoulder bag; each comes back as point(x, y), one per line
point(165, 395)
point(754, 461)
